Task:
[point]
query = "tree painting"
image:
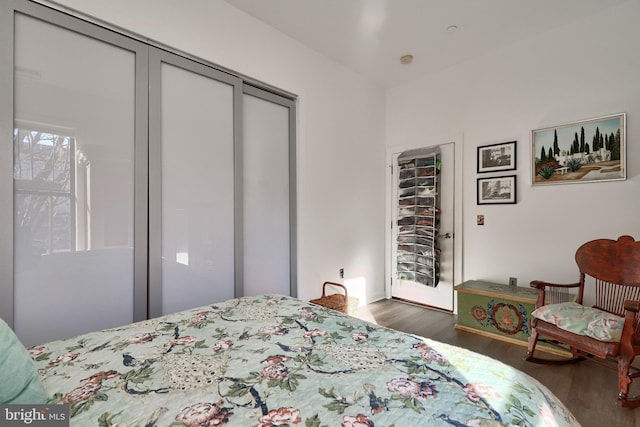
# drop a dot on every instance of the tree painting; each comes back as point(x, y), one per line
point(590, 150)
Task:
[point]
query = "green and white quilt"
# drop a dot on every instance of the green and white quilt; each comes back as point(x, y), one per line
point(273, 360)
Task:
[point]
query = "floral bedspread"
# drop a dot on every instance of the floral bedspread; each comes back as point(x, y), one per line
point(273, 360)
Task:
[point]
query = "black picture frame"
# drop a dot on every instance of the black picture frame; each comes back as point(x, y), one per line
point(496, 190)
point(497, 157)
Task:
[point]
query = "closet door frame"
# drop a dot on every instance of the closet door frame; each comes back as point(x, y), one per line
point(147, 262)
point(8, 9)
point(290, 104)
point(156, 58)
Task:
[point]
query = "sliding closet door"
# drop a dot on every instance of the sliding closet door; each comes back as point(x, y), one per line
point(78, 214)
point(127, 187)
point(268, 185)
point(192, 184)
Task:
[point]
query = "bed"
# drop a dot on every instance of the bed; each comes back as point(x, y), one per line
point(273, 360)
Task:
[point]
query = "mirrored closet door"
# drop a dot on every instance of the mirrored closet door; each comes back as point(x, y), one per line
point(268, 181)
point(192, 199)
point(136, 180)
point(75, 143)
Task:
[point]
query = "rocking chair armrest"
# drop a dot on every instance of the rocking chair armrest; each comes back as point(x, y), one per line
point(539, 284)
point(630, 340)
point(556, 290)
point(631, 305)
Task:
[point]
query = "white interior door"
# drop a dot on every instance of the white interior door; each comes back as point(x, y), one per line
point(440, 296)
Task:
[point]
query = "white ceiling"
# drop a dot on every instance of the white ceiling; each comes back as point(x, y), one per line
point(369, 36)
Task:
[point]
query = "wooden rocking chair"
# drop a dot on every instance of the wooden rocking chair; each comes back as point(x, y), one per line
point(613, 267)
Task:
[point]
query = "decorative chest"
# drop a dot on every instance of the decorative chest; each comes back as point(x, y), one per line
point(496, 310)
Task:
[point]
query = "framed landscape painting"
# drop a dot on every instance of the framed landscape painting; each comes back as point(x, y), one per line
point(585, 151)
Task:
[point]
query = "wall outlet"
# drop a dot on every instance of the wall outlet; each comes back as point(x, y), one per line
point(342, 273)
point(513, 281)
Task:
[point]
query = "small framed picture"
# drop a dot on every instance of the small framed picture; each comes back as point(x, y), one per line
point(589, 150)
point(497, 157)
point(497, 190)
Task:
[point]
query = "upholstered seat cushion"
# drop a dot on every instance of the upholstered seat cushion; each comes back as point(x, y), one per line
point(19, 380)
point(582, 320)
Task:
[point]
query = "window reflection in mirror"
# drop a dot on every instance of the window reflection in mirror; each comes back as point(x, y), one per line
point(51, 210)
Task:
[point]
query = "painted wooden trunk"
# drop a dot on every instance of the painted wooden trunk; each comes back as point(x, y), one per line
point(496, 310)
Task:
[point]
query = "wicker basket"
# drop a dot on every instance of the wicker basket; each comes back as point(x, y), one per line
point(339, 302)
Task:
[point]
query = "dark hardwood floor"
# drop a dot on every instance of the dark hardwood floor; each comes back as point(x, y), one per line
point(587, 389)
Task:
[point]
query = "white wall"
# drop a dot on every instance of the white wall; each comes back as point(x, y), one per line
point(340, 128)
point(587, 69)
